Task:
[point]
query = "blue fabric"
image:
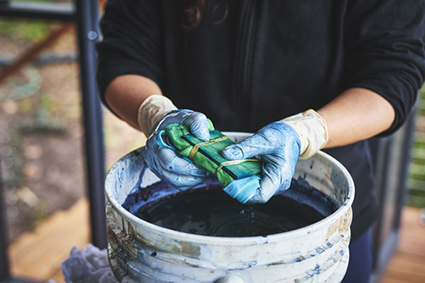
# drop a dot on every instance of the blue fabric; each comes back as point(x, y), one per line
point(243, 189)
point(360, 264)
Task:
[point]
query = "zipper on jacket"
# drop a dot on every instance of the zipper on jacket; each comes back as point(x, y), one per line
point(245, 70)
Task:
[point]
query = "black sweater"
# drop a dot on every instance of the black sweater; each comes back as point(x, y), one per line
point(271, 59)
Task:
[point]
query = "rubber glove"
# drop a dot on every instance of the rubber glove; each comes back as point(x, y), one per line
point(155, 113)
point(279, 145)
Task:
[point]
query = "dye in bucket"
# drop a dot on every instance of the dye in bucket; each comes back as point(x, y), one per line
point(140, 251)
point(207, 210)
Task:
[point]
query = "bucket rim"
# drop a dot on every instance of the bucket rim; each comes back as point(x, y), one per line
point(239, 241)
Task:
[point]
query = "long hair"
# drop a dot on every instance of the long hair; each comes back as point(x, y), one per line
point(194, 10)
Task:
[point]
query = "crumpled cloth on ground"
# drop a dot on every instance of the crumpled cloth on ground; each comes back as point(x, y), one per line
point(89, 265)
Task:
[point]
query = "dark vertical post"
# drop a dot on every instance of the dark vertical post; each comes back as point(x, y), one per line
point(405, 159)
point(87, 17)
point(4, 261)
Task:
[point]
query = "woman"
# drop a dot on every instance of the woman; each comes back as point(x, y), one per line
point(257, 66)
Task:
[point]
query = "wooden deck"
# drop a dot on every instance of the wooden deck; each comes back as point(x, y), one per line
point(408, 264)
point(38, 255)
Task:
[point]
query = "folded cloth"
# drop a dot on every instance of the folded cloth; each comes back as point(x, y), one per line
point(88, 265)
point(236, 176)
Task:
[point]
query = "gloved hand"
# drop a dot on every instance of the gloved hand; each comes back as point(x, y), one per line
point(155, 113)
point(279, 145)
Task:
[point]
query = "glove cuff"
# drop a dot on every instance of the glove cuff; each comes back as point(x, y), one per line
point(312, 129)
point(151, 110)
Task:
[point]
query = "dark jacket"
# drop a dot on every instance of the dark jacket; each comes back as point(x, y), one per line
point(271, 59)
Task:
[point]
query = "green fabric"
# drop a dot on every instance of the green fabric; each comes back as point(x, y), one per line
point(208, 155)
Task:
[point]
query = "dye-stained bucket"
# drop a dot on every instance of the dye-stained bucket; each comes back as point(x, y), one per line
point(143, 252)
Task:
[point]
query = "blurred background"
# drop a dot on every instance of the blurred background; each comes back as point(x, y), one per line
point(41, 126)
point(43, 159)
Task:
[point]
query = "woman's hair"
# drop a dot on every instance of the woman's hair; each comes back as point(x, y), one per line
point(194, 9)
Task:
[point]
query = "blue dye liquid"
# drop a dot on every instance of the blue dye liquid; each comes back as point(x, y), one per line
point(211, 212)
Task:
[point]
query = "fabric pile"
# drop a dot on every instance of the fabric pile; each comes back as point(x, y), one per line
point(87, 266)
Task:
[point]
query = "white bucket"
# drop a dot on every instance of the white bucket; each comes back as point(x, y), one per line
point(143, 252)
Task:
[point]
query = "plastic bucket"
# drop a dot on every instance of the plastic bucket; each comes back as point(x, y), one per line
point(142, 252)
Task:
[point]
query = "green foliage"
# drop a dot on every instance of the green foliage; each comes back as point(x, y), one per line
point(25, 106)
point(417, 176)
point(43, 122)
point(26, 30)
point(15, 177)
point(416, 182)
point(40, 213)
point(47, 103)
point(35, 1)
point(23, 30)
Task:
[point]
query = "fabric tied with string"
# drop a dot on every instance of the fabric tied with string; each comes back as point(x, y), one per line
point(236, 176)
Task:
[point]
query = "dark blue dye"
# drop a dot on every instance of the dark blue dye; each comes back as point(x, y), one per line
point(207, 210)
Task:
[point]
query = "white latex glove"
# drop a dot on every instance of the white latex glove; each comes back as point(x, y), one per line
point(312, 129)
